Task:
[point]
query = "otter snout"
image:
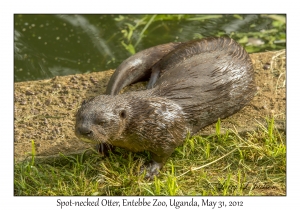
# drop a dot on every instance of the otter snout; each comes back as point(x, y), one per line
point(88, 129)
point(84, 131)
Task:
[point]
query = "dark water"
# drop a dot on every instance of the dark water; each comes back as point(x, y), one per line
point(49, 45)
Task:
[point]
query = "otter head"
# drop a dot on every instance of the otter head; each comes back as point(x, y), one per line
point(101, 119)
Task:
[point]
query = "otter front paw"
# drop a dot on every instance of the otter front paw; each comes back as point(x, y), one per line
point(152, 169)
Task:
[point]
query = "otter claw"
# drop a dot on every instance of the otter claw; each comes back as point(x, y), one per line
point(152, 169)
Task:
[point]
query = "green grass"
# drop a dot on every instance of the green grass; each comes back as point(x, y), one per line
point(220, 164)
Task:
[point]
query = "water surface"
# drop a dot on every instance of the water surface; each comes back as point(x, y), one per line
point(49, 45)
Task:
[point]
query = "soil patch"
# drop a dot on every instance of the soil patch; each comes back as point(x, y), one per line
point(44, 111)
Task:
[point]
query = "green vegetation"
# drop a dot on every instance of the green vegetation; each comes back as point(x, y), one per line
point(220, 164)
point(256, 37)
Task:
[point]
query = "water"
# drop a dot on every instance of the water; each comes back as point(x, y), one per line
point(49, 45)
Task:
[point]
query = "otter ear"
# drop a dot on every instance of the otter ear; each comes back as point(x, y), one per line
point(85, 101)
point(123, 114)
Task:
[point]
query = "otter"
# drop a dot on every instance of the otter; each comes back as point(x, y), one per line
point(190, 87)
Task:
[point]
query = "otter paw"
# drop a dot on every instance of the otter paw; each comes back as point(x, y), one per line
point(152, 169)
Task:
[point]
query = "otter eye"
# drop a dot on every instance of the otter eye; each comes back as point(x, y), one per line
point(123, 114)
point(102, 122)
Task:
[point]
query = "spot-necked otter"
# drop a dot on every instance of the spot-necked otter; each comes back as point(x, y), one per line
point(190, 87)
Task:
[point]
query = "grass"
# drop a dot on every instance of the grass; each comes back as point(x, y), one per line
point(220, 164)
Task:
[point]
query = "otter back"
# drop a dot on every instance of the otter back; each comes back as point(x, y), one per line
point(209, 78)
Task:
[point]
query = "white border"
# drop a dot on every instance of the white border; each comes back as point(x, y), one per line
point(154, 6)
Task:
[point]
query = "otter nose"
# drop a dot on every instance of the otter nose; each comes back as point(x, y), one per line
point(84, 131)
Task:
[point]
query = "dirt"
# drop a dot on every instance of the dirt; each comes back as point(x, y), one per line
point(44, 111)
